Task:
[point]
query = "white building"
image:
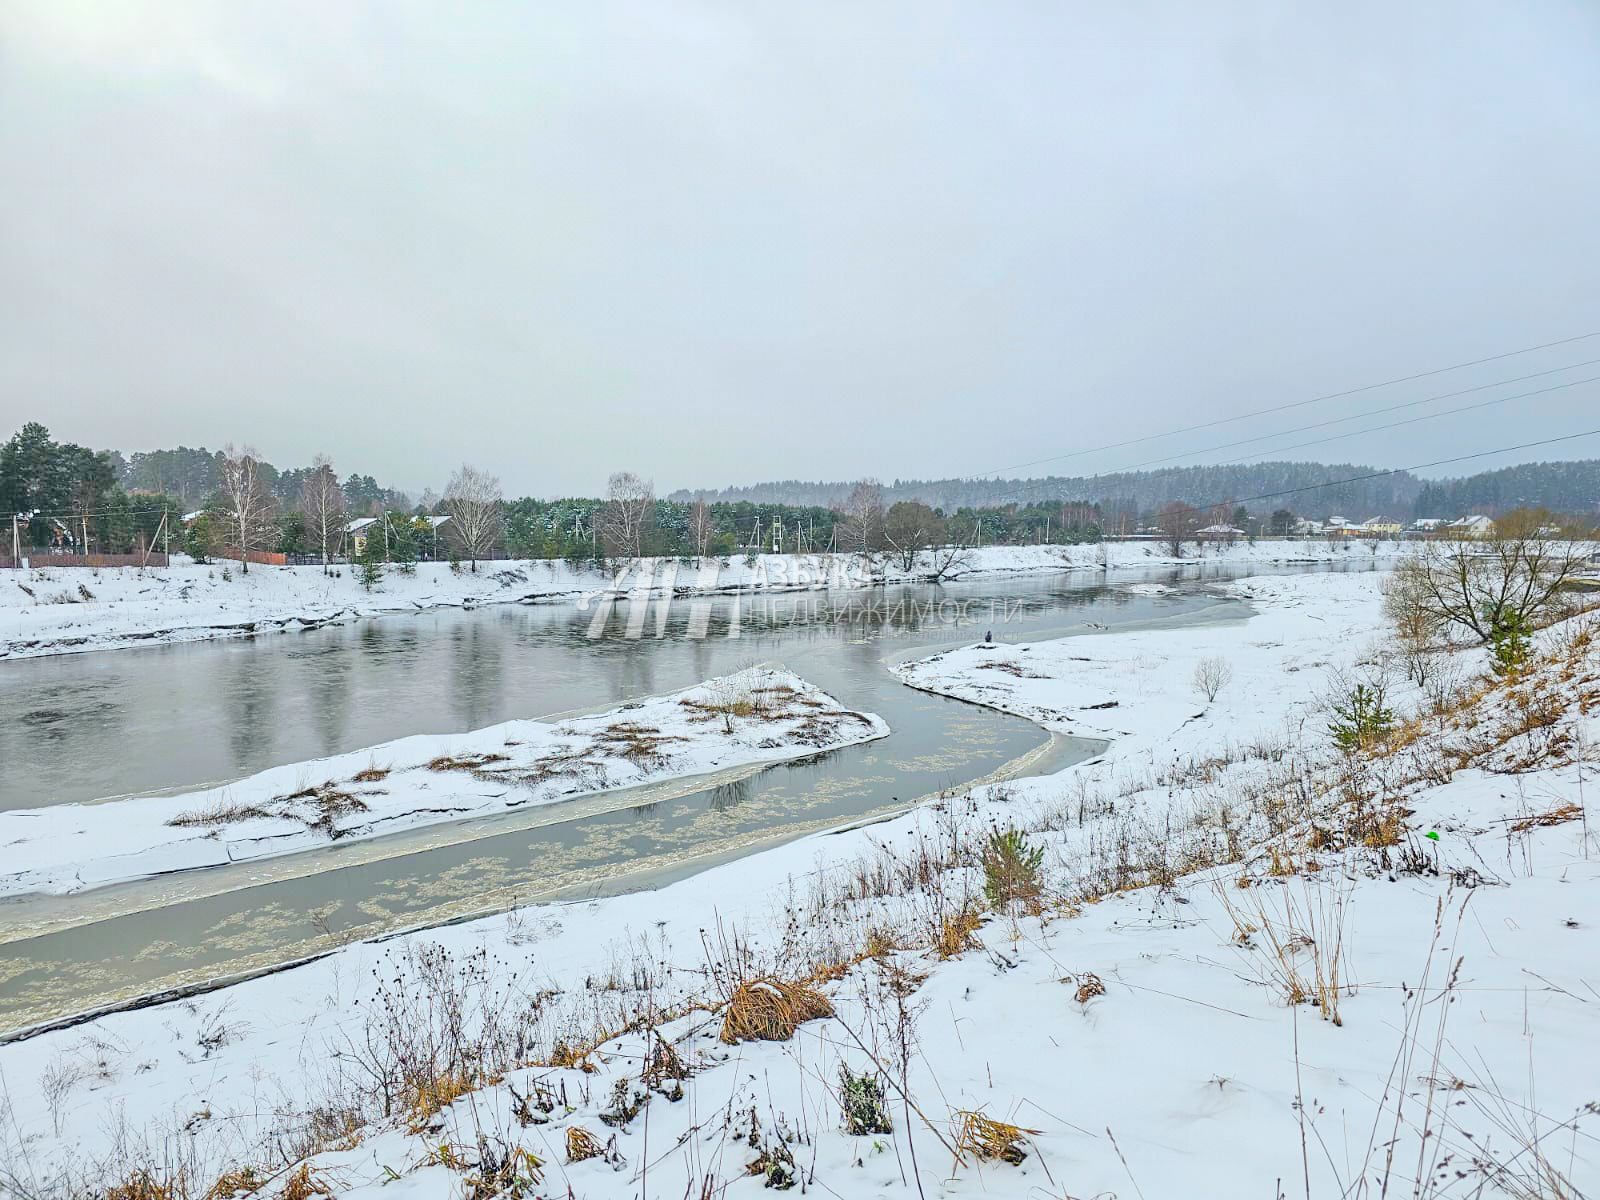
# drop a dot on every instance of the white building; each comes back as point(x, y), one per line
point(1474, 526)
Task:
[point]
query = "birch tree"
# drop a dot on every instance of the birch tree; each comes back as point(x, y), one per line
point(247, 503)
point(700, 526)
point(322, 500)
point(630, 501)
point(473, 500)
point(861, 524)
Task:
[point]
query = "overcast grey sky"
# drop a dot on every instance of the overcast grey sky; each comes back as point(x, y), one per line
point(719, 243)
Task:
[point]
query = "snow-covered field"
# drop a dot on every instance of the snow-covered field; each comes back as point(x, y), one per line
point(759, 715)
point(1247, 964)
point(69, 610)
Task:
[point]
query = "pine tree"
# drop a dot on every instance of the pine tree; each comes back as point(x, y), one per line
point(369, 563)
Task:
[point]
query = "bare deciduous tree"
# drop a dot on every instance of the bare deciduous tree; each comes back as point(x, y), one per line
point(1177, 523)
point(953, 554)
point(322, 499)
point(472, 498)
point(861, 519)
point(247, 503)
point(1507, 580)
point(630, 503)
point(910, 528)
point(700, 528)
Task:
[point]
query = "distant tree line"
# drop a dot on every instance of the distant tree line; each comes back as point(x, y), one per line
point(1563, 487)
point(232, 502)
point(103, 501)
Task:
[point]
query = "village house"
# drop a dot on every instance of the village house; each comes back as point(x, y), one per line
point(428, 531)
point(1475, 526)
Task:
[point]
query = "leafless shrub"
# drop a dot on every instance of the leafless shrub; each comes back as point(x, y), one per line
point(1211, 675)
point(56, 1083)
point(1516, 577)
point(437, 1025)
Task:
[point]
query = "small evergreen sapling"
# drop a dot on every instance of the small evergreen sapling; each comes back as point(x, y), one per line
point(369, 569)
point(1361, 718)
point(1508, 643)
point(1011, 868)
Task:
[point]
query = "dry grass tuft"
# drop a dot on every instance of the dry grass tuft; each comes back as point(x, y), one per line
point(220, 812)
point(370, 775)
point(465, 762)
point(956, 934)
point(436, 1094)
point(1558, 815)
point(767, 1009)
point(641, 744)
point(571, 1057)
point(242, 1182)
point(582, 1145)
point(142, 1185)
point(493, 1169)
point(304, 1183)
point(1301, 955)
point(880, 943)
point(319, 808)
point(989, 1139)
point(1089, 986)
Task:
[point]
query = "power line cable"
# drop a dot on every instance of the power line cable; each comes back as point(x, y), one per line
point(1449, 412)
point(1035, 486)
point(1371, 412)
point(1441, 462)
point(1262, 412)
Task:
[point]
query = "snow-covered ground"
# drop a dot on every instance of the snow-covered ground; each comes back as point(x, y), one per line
point(759, 715)
point(1428, 904)
point(69, 610)
point(1139, 689)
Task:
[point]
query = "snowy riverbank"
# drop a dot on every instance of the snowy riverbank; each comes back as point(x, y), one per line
point(757, 716)
point(1138, 688)
point(1249, 959)
point(68, 610)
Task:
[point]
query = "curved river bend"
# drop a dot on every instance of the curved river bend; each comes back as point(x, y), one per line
point(92, 726)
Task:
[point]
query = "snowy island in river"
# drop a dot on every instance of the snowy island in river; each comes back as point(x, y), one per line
point(754, 716)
